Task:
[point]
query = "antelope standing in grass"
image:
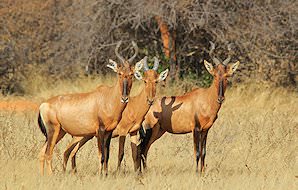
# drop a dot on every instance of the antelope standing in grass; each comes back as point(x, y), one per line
point(132, 116)
point(95, 113)
point(195, 111)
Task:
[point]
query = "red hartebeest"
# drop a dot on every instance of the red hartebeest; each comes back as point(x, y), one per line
point(132, 116)
point(195, 111)
point(95, 113)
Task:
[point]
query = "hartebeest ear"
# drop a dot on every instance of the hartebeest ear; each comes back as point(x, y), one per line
point(163, 75)
point(209, 67)
point(232, 68)
point(113, 65)
point(138, 75)
point(140, 64)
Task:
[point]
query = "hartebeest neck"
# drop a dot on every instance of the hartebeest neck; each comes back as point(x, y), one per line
point(140, 103)
point(115, 95)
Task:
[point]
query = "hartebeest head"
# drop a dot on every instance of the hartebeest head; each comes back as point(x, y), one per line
point(125, 71)
point(151, 78)
point(221, 71)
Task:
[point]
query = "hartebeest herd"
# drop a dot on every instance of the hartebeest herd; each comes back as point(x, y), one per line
point(110, 112)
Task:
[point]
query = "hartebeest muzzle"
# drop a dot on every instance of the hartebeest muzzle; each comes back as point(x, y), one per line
point(221, 96)
point(150, 101)
point(124, 98)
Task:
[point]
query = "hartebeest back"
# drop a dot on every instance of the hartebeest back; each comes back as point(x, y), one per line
point(93, 113)
point(194, 112)
point(132, 117)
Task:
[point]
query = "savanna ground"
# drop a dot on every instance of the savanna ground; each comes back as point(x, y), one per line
point(252, 145)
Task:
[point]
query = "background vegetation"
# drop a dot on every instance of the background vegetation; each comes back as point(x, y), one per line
point(68, 38)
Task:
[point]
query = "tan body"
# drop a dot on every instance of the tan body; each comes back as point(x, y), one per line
point(131, 120)
point(83, 114)
point(194, 112)
point(80, 115)
point(133, 116)
point(96, 113)
point(179, 114)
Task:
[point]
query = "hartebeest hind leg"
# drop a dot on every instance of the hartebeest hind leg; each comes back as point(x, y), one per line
point(75, 150)
point(157, 132)
point(74, 142)
point(72, 149)
point(54, 136)
point(42, 157)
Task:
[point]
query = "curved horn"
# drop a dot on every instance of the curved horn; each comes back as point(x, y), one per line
point(117, 53)
point(135, 46)
point(211, 53)
point(227, 60)
point(156, 64)
point(146, 68)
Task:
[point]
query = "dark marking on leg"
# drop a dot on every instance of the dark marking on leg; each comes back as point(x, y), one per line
point(144, 143)
point(205, 133)
point(197, 144)
point(121, 150)
point(108, 142)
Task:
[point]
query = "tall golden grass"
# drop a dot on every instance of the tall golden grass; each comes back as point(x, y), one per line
point(252, 145)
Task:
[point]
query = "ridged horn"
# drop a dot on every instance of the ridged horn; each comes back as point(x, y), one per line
point(117, 53)
point(135, 46)
point(211, 53)
point(227, 60)
point(156, 64)
point(146, 68)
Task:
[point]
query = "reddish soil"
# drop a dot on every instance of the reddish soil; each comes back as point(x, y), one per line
point(18, 105)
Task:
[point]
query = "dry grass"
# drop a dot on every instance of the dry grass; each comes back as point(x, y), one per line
point(252, 145)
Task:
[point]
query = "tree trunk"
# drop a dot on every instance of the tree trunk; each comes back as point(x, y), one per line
point(169, 50)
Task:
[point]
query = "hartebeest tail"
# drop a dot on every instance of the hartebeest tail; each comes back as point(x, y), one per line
point(42, 126)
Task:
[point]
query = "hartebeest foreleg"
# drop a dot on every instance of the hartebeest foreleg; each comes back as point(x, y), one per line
point(136, 150)
point(200, 139)
point(197, 145)
point(99, 147)
point(121, 150)
point(108, 138)
point(104, 139)
point(203, 149)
